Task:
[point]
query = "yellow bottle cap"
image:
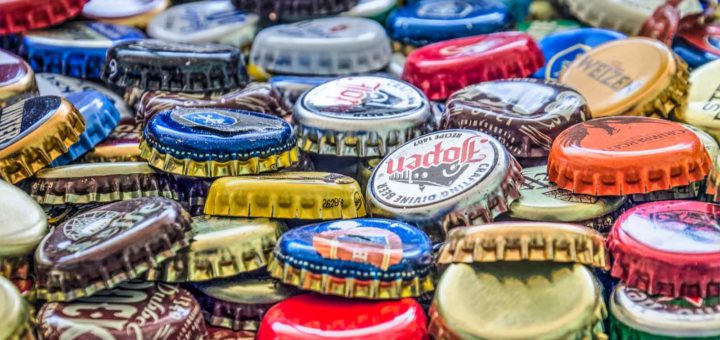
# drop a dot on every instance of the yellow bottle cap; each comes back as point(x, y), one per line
point(630, 77)
point(703, 110)
point(289, 195)
point(25, 224)
point(16, 322)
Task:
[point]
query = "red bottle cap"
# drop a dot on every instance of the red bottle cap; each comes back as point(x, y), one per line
point(442, 68)
point(664, 23)
point(313, 316)
point(23, 15)
point(671, 248)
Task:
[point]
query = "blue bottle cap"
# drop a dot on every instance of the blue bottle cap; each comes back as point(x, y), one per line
point(100, 116)
point(563, 47)
point(76, 49)
point(430, 21)
point(205, 142)
point(699, 45)
point(292, 87)
point(51, 84)
point(389, 254)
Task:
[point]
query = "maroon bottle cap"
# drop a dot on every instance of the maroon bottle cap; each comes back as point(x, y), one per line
point(664, 23)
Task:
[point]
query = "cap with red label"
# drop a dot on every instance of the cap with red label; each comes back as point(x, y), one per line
point(24, 15)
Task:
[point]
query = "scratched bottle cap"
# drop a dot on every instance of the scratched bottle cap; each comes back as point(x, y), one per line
point(137, 13)
point(615, 156)
point(17, 316)
point(217, 142)
point(630, 77)
point(428, 21)
point(146, 310)
point(24, 15)
point(17, 80)
point(289, 195)
point(363, 258)
point(50, 84)
point(25, 225)
point(292, 87)
point(102, 247)
point(365, 116)
point(703, 99)
point(372, 9)
point(76, 49)
point(294, 10)
point(445, 179)
point(172, 66)
point(561, 48)
point(699, 45)
point(204, 21)
point(239, 303)
point(122, 145)
point(221, 247)
point(442, 68)
point(638, 315)
point(671, 248)
point(34, 132)
point(539, 29)
point(520, 300)
point(328, 46)
point(526, 115)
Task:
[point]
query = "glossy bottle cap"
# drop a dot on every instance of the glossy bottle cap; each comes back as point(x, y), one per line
point(526, 115)
point(442, 68)
point(521, 300)
point(75, 49)
point(50, 84)
point(173, 66)
point(204, 21)
point(365, 116)
point(704, 99)
point(699, 45)
point(24, 15)
point(17, 316)
point(445, 178)
point(103, 247)
point(326, 317)
point(25, 225)
point(615, 156)
point(217, 142)
point(428, 21)
point(328, 46)
point(561, 48)
point(294, 10)
point(289, 195)
point(670, 248)
point(34, 132)
point(136, 13)
point(631, 77)
point(122, 145)
point(221, 247)
point(17, 80)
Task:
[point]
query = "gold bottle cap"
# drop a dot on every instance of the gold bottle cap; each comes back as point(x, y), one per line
point(222, 247)
point(630, 77)
point(17, 80)
point(289, 195)
point(704, 99)
point(16, 318)
point(34, 132)
point(521, 300)
point(246, 292)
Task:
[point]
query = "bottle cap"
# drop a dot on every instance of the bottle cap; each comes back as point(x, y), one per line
point(176, 67)
point(541, 200)
point(317, 316)
point(100, 117)
point(397, 64)
point(192, 193)
point(222, 333)
point(635, 314)
point(136, 13)
point(373, 9)
point(699, 45)
point(704, 99)
point(444, 179)
point(561, 48)
point(366, 116)
point(288, 195)
point(214, 142)
point(520, 300)
point(17, 316)
point(100, 182)
point(24, 15)
point(428, 21)
point(256, 97)
point(17, 80)
point(204, 21)
point(238, 304)
point(103, 247)
point(34, 132)
point(25, 225)
point(328, 46)
point(122, 145)
point(362, 258)
point(75, 49)
point(539, 29)
point(294, 10)
point(525, 241)
point(670, 248)
point(663, 23)
point(292, 87)
point(526, 115)
point(615, 156)
point(221, 247)
point(50, 84)
point(442, 68)
point(146, 310)
point(630, 77)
